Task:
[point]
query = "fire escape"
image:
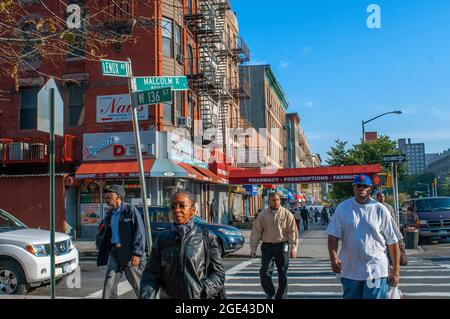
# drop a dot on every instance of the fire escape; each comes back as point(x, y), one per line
point(215, 88)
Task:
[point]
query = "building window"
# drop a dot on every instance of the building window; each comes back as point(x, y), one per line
point(30, 52)
point(167, 38)
point(168, 112)
point(178, 45)
point(189, 6)
point(190, 53)
point(28, 108)
point(76, 104)
point(179, 98)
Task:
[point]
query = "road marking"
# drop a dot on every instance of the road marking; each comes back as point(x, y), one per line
point(122, 289)
point(337, 294)
point(236, 277)
point(239, 267)
point(238, 284)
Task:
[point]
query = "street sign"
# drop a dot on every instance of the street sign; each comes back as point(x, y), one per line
point(394, 158)
point(43, 108)
point(153, 96)
point(114, 68)
point(176, 83)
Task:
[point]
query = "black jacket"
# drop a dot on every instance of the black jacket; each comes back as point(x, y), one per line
point(132, 236)
point(177, 268)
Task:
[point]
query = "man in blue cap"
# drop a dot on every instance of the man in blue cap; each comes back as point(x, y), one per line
point(367, 232)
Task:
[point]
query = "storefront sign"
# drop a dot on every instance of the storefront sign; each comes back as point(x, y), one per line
point(251, 190)
point(293, 179)
point(120, 146)
point(117, 108)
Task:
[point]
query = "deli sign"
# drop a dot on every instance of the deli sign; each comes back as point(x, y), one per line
point(117, 146)
point(117, 108)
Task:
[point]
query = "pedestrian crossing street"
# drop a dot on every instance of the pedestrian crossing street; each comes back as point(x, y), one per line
point(313, 279)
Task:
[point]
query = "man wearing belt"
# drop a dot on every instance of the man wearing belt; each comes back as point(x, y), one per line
point(276, 227)
point(122, 243)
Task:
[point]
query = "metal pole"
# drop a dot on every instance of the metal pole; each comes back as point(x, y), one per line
point(52, 191)
point(137, 140)
point(363, 132)
point(436, 186)
point(395, 192)
point(428, 190)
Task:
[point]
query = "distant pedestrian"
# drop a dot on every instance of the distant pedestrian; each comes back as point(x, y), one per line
point(186, 261)
point(316, 215)
point(121, 243)
point(382, 199)
point(366, 230)
point(213, 211)
point(305, 217)
point(311, 214)
point(325, 216)
point(276, 227)
point(297, 215)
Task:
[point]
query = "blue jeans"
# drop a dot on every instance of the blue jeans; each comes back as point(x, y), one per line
point(355, 289)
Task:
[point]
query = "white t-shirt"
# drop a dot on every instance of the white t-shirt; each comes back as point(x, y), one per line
point(364, 232)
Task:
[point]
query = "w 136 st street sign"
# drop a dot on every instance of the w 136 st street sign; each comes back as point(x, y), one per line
point(394, 158)
point(176, 83)
point(152, 96)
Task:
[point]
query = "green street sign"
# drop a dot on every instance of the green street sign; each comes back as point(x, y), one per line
point(153, 96)
point(176, 83)
point(114, 68)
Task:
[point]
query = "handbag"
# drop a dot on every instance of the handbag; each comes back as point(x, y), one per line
point(221, 294)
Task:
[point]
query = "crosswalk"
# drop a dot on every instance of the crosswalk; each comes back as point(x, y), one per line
point(312, 278)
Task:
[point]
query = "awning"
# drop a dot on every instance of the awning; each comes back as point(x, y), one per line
point(213, 177)
point(167, 168)
point(193, 173)
point(302, 175)
point(122, 169)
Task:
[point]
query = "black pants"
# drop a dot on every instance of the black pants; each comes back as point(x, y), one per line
point(305, 223)
point(280, 255)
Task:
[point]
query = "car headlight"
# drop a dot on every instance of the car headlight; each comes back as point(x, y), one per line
point(70, 245)
point(38, 250)
point(230, 232)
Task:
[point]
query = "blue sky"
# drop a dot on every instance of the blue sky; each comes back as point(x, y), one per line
point(337, 72)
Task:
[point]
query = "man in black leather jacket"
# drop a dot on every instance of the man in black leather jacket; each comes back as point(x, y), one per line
point(186, 261)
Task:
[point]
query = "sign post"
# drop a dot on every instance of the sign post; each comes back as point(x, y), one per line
point(51, 120)
point(394, 160)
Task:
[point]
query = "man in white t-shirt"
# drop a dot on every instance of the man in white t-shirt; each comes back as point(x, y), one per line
point(367, 232)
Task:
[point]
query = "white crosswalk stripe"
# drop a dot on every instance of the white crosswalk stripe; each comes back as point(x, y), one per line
point(421, 278)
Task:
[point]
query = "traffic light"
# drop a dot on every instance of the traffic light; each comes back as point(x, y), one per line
point(380, 180)
point(389, 180)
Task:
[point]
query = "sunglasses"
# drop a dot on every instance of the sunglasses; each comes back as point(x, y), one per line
point(182, 206)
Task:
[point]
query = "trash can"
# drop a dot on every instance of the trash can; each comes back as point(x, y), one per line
point(411, 238)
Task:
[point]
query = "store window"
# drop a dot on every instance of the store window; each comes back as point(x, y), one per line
point(90, 203)
point(132, 191)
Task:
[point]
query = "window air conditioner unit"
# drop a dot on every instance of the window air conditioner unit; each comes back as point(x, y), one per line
point(185, 121)
point(180, 58)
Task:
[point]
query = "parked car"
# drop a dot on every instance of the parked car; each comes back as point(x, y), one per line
point(25, 256)
point(230, 238)
point(430, 215)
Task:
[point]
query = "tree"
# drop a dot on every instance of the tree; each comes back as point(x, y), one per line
point(368, 152)
point(416, 183)
point(28, 38)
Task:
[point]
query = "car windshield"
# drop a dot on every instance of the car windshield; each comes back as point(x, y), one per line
point(433, 204)
point(9, 223)
point(159, 214)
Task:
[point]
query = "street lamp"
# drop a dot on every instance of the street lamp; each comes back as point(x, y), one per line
point(365, 122)
point(428, 187)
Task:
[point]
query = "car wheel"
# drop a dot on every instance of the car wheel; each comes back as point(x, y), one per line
point(12, 278)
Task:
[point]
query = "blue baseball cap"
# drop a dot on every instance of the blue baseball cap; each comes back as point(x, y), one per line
point(362, 180)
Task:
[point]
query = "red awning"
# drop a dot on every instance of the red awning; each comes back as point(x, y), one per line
point(123, 169)
point(331, 174)
point(214, 178)
point(193, 173)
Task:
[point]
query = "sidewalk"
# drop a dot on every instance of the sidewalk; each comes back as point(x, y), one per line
point(312, 244)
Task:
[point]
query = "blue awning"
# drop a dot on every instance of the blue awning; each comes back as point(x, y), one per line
point(167, 168)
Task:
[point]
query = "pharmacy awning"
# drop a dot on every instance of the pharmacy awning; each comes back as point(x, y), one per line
point(122, 169)
point(323, 174)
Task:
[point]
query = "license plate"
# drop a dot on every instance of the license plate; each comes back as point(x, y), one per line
point(67, 268)
point(442, 232)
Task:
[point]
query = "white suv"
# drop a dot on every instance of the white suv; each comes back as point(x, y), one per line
point(25, 256)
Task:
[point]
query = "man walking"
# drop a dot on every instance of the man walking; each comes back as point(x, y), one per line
point(296, 211)
point(305, 217)
point(382, 199)
point(366, 230)
point(276, 227)
point(122, 243)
